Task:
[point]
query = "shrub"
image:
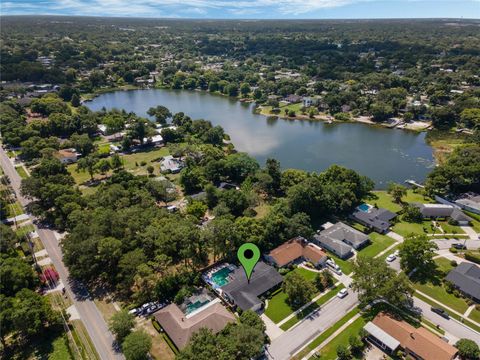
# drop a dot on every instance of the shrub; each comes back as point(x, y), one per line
point(156, 325)
point(472, 257)
point(343, 352)
point(453, 250)
point(143, 163)
point(453, 263)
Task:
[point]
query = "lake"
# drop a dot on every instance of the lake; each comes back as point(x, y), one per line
point(382, 154)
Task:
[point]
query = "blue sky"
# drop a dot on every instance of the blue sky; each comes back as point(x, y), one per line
point(281, 9)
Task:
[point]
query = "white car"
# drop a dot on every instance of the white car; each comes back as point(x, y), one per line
point(391, 257)
point(342, 293)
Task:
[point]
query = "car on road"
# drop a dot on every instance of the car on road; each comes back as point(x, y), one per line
point(391, 258)
point(342, 293)
point(440, 312)
point(459, 246)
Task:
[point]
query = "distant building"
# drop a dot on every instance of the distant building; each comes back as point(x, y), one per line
point(469, 202)
point(153, 140)
point(435, 211)
point(295, 249)
point(181, 322)
point(102, 129)
point(67, 156)
point(171, 164)
point(293, 99)
point(466, 278)
point(341, 239)
point(390, 335)
point(239, 292)
point(375, 219)
point(310, 101)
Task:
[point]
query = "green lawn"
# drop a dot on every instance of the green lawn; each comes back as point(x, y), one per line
point(406, 228)
point(51, 346)
point(383, 200)
point(329, 352)
point(443, 264)
point(326, 334)
point(24, 230)
point(476, 220)
point(301, 315)
point(21, 171)
point(439, 293)
point(14, 209)
point(475, 315)
point(379, 243)
point(278, 308)
point(345, 265)
point(450, 229)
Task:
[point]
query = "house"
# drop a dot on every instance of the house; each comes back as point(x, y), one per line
point(102, 129)
point(375, 219)
point(246, 295)
point(310, 101)
point(436, 211)
point(153, 140)
point(341, 239)
point(466, 278)
point(198, 311)
point(346, 108)
point(293, 99)
point(67, 156)
point(294, 249)
point(171, 164)
point(390, 335)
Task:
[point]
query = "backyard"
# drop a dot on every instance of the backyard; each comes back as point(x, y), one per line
point(379, 243)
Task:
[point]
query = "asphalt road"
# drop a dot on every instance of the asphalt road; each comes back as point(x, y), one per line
point(451, 326)
point(291, 341)
point(96, 326)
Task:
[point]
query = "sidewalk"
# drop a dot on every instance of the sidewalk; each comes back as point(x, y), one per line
point(331, 337)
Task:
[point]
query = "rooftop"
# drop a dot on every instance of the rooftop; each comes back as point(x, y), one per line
point(296, 248)
point(419, 340)
point(466, 276)
point(246, 295)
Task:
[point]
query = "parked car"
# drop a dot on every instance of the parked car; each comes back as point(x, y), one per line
point(134, 311)
point(441, 312)
point(459, 246)
point(342, 293)
point(335, 268)
point(391, 258)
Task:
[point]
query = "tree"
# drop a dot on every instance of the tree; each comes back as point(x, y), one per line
point(16, 274)
point(324, 280)
point(196, 209)
point(470, 117)
point(373, 279)
point(468, 349)
point(75, 100)
point(136, 346)
point(121, 324)
point(150, 170)
point(88, 164)
point(412, 213)
point(245, 89)
point(443, 117)
point(355, 343)
point(417, 252)
point(274, 170)
point(82, 143)
point(161, 114)
point(397, 191)
point(343, 352)
point(381, 111)
point(298, 289)
point(116, 162)
point(103, 166)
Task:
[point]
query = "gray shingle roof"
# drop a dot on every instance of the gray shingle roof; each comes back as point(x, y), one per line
point(344, 233)
point(334, 245)
point(466, 277)
point(376, 218)
point(245, 295)
point(460, 216)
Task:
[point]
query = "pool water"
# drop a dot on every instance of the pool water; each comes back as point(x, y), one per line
point(196, 305)
point(219, 278)
point(364, 208)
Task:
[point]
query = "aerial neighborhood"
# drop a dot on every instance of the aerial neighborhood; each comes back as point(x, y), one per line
point(139, 155)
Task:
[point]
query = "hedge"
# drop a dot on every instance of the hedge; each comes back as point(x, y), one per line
point(472, 257)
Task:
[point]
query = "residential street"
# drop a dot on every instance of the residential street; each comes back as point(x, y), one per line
point(451, 326)
point(293, 340)
point(87, 310)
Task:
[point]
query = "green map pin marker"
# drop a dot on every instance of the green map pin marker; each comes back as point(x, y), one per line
point(248, 254)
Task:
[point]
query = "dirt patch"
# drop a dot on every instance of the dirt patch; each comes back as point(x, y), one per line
point(160, 349)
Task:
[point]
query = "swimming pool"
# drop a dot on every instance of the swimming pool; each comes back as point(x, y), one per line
point(195, 305)
point(219, 278)
point(364, 207)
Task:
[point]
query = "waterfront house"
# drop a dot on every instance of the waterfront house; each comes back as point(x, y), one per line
point(310, 101)
point(293, 99)
point(341, 239)
point(296, 249)
point(375, 219)
point(390, 335)
point(246, 295)
point(443, 211)
point(466, 278)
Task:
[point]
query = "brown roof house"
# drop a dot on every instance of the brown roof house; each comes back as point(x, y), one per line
point(202, 310)
point(67, 156)
point(390, 334)
point(294, 249)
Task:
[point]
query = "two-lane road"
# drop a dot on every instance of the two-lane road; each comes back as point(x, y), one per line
point(96, 326)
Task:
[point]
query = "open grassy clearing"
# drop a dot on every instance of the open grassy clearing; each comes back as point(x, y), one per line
point(21, 171)
point(379, 243)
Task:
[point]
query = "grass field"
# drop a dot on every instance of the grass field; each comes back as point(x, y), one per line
point(439, 293)
point(476, 220)
point(21, 171)
point(383, 200)
point(24, 230)
point(443, 264)
point(475, 315)
point(379, 243)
